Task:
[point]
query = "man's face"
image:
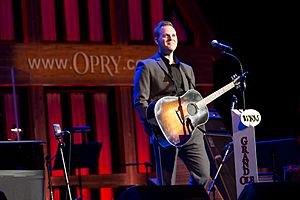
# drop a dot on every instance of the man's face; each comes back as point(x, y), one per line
point(167, 40)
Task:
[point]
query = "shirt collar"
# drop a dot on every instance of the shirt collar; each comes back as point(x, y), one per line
point(166, 61)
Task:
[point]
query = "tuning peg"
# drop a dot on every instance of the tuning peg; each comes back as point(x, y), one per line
point(234, 76)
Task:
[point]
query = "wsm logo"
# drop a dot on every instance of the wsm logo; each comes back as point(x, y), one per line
point(250, 117)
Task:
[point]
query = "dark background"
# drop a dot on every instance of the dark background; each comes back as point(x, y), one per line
point(264, 37)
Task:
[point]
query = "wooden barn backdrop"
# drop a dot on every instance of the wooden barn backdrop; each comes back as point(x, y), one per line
point(71, 62)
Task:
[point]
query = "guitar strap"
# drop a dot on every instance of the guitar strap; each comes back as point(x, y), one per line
point(193, 85)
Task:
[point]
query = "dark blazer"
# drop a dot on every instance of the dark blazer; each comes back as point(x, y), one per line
point(152, 81)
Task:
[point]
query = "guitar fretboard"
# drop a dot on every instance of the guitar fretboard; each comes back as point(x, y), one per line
point(216, 94)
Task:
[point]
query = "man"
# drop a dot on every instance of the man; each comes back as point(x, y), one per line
point(164, 75)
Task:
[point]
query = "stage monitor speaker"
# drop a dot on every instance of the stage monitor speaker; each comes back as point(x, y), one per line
point(216, 144)
point(174, 192)
point(263, 191)
point(2, 196)
point(215, 124)
point(275, 155)
point(22, 174)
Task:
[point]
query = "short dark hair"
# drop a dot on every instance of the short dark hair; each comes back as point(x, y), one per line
point(159, 25)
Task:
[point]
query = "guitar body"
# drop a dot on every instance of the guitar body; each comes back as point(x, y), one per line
point(177, 117)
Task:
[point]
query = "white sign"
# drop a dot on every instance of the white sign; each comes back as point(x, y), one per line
point(244, 151)
point(250, 117)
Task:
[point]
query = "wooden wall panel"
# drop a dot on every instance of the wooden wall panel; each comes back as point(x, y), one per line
point(127, 135)
point(37, 105)
point(12, 118)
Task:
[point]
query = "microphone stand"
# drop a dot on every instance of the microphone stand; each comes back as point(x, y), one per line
point(61, 145)
point(243, 83)
point(15, 102)
point(211, 186)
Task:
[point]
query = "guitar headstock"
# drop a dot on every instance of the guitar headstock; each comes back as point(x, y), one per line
point(238, 79)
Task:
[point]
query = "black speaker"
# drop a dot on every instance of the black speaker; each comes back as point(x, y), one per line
point(216, 146)
point(2, 196)
point(174, 192)
point(262, 191)
point(275, 155)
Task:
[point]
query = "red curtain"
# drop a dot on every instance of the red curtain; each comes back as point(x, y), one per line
point(143, 146)
point(6, 20)
point(156, 11)
point(95, 20)
point(54, 117)
point(78, 119)
point(72, 20)
point(135, 19)
point(180, 30)
point(10, 116)
point(48, 20)
point(103, 135)
point(78, 116)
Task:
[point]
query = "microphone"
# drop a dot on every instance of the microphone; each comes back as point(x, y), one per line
point(234, 102)
point(64, 132)
point(58, 132)
point(224, 47)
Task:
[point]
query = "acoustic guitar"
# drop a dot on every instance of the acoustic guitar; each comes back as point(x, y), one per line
point(174, 118)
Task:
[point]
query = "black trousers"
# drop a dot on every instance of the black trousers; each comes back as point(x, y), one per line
point(194, 156)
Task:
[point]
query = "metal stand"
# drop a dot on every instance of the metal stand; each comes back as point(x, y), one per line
point(15, 103)
point(243, 82)
point(84, 130)
point(211, 186)
point(80, 181)
point(61, 146)
point(78, 159)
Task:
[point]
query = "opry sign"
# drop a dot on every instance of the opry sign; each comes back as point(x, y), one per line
point(243, 122)
point(94, 64)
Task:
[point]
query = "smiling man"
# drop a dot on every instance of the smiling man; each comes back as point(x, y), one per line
point(165, 75)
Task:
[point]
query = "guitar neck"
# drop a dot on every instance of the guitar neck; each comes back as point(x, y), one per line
point(205, 101)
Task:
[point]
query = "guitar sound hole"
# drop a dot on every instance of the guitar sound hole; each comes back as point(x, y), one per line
point(192, 109)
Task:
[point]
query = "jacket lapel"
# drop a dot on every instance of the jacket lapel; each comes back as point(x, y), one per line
point(183, 72)
point(184, 75)
point(162, 65)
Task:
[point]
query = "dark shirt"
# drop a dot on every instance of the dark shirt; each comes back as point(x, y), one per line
point(175, 74)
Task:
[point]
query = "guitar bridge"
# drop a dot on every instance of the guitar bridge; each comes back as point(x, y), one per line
point(178, 115)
